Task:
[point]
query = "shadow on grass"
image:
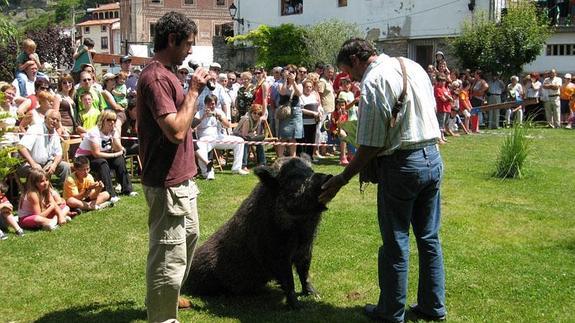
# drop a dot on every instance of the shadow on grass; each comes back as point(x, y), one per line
point(97, 312)
point(269, 306)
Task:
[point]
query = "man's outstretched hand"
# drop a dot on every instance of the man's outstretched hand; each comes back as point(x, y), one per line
point(331, 187)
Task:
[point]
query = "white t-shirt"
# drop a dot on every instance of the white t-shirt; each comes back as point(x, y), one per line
point(210, 125)
point(96, 136)
point(42, 146)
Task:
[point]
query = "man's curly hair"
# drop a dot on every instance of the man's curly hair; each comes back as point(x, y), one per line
point(173, 23)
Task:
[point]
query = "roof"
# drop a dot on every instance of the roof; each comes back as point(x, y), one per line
point(107, 6)
point(96, 22)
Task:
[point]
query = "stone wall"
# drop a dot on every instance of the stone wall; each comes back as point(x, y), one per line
point(232, 57)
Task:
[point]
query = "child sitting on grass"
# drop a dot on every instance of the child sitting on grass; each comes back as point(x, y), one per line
point(6, 216)
point(81, 192)
point(39, 207)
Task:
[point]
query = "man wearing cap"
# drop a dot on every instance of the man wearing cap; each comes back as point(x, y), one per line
point(183, 73)
point(550, 96)
point(565, 93)
point(132, 80)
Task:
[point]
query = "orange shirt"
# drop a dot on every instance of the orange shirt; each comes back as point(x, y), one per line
point(566, 91)
point(74, 186)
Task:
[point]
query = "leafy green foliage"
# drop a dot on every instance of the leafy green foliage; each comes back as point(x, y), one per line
point(504, 46)
point(8, 162)
point(323, 40)
point(277, 46)
point(9, 35)
point(513, 152)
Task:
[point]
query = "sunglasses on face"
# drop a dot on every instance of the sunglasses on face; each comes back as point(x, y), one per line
point(232, 80)
point(184, 72)
point(303, 72)
point(86, 80)
point(110, 119)
point(257, 72)
point(44, 88)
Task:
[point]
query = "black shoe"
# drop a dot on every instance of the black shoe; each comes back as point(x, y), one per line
point(414, 314)
point(370, 311)
point(209, 166)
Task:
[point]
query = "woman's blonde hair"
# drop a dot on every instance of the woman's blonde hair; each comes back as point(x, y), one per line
point(106, 114)
point(5, 86)
point(45, 96)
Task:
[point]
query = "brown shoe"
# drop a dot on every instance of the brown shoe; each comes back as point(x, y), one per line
point(184, 304)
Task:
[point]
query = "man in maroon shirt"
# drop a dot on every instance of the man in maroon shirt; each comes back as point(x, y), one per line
point(165, 115)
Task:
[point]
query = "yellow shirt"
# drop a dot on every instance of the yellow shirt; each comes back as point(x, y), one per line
point(74, 186)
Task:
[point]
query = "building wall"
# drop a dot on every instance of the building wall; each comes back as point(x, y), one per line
point(388, 18)
point(140, 14)
point(562, 63)
point(96, 35)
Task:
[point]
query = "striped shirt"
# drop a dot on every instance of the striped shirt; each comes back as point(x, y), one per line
point(381, 85)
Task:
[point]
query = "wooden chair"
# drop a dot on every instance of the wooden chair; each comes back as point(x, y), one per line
point(66, 145)
point(131, 160)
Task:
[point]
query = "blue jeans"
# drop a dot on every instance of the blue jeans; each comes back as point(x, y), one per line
point(409, 193)
point(260, 155)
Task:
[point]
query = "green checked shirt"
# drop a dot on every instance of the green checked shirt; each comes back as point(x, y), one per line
point(381, 85)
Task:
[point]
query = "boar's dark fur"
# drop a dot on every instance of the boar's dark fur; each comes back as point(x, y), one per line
point(272, 231)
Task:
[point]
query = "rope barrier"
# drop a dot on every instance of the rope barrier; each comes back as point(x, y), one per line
point(213, 141)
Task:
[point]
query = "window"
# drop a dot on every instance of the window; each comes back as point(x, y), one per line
point(104, 43)
point(116, 14)
point(156, 1)
point(188, 2)
point(104, 28)
point(291, 7)
point(107, 15)
point(342, 3)
point(152, 31)
point(220, 2)
point(560, 50)
point(86, 30)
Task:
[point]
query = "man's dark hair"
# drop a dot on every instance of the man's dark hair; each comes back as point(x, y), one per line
point(361, 48)
point(173, 23)
point(88, 42)
point(81, 161)
point(319, 65)
point(41, 82)
point(209, 98)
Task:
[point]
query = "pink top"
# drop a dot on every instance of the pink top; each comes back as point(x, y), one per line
point(26, 207)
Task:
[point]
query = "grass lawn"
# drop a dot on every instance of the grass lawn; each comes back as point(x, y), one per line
point(509, 249)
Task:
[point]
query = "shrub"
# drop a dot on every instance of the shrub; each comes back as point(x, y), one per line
point(514, 152)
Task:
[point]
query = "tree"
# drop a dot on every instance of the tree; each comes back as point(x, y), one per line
point(505, 46)
point(277, 46)
point(53, 46)
point(323, 40)
point(9, 36)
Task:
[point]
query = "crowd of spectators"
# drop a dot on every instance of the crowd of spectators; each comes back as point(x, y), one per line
point(467, 100)
point(241, 107)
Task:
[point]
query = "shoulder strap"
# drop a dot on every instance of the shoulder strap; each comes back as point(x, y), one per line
point(399, 104)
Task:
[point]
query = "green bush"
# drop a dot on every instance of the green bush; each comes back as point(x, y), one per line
point(513, 153)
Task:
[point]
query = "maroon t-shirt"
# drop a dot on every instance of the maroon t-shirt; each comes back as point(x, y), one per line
point(165, 163)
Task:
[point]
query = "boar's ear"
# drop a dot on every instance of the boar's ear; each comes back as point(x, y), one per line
point(267, 176)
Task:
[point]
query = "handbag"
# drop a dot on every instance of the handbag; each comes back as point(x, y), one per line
point(285, 110)
point(369, 173)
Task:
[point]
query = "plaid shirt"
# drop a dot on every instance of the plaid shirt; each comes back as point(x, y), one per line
point(381, 85)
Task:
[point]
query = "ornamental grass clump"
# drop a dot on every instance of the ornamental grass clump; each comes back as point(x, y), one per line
point(513, 153)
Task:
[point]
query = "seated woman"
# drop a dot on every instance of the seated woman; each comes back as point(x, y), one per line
point(103, 148)
point(251, 128)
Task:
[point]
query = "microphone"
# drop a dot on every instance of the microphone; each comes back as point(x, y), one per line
point(194, 65)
